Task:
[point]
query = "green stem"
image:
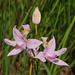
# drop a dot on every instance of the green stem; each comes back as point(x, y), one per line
point(24, 62)
point(37, 68)
point(36, 29)
point(36, 60)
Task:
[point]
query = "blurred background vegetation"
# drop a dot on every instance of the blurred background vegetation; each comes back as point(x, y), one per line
point(58, 19)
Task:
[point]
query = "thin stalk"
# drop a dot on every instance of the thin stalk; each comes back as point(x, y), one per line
point(24, 62)
point(37, 68)
point(35, 29)
point(36, 61)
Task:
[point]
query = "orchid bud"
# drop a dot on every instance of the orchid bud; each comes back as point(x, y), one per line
point(36, 18)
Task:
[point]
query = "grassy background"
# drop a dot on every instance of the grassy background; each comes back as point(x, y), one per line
point(58, 19)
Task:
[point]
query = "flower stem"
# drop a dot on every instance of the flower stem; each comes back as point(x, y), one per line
point(36, 60)
point(24, 62)
point(37, 68)
point(35, 29)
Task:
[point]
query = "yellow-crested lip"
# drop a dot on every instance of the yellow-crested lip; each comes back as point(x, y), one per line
point(46, 44)
point(25, 32)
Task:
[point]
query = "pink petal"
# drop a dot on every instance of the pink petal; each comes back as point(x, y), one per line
point(12, 43)
point(60, 52)
point(26, 27)
point(41, 57)
point(15, 51)
point(17, 35)
point(33, 43)
point(36, 51)
point(29, 52)
point(57, 61)
point(44, 38)
point(52, 44)
point(37, 48)
point(60, 62)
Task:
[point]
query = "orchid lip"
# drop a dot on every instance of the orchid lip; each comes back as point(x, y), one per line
point(46, 44)
point(25, 32)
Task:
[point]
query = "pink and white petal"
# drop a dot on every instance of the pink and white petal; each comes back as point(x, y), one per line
point(33, 43)
point(52, 44)
point(36, 50)
point(45, 51)
point(12, 43)
point(27, 27)
point(44, 38)
point(48, 52)
point(17, 35)
point(29, 53)
point(60, 62)
point(57, 61)
point(61, 51)
point(41, 57)
point(15, 51)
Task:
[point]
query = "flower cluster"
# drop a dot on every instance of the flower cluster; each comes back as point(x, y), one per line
point(22, 43)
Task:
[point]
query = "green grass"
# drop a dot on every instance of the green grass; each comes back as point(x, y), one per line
point(58, 19)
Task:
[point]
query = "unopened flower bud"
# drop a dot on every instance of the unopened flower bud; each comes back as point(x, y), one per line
point(36, 18)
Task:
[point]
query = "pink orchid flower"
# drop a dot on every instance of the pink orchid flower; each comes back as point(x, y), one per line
point(21, 42)
point(49, 52)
